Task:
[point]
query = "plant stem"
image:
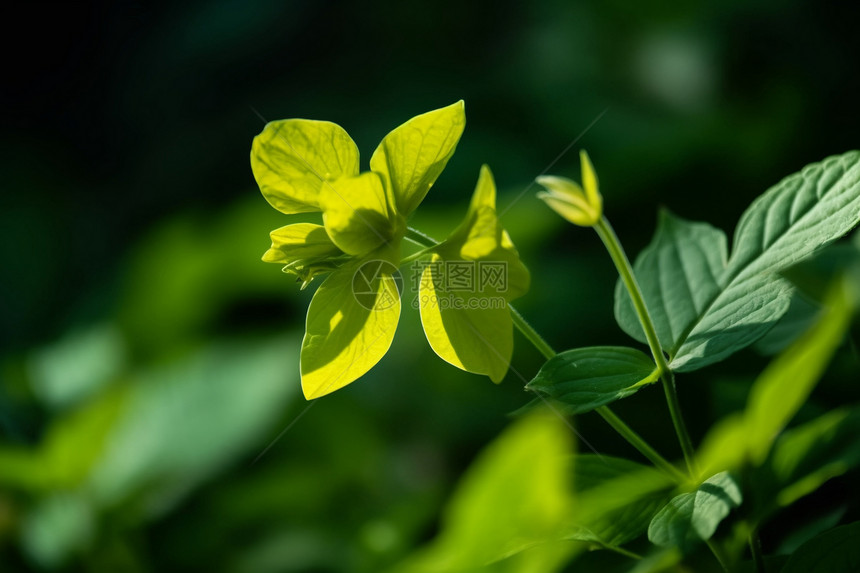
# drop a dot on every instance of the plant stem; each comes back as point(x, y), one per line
point(419, 238)
point(641, 445)
point(544, 348)
point(718, 553)
point(416, 255)
point(755, 549)
point(617, 423)
point(531, 334)
point(625, 270)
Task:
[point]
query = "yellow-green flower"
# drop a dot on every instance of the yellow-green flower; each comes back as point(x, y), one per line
point(304, 166)
point(567, 198)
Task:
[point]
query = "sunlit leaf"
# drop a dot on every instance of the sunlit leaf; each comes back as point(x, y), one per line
point(350, 326)
point(292, 158)
point(507, 510)
point(786, 383)
point(778, 392)
point(694, 516)
point(414, 154)
point(587, 378)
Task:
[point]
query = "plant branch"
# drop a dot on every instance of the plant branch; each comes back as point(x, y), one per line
point(625, 270)
point(546, 350)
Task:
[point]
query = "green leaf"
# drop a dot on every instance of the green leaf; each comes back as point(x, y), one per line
point(594, 476)
point(357, 215)
point(706, 308)
point(694, 516)
point(678, 273)
point(587, 378)
point(799, 317)
point(778, 392)
point(785, 384)
point(508, 508)
point(807, 456)
point(350, 326)
point(413, 155)
point(835, 551)
point(292, 158)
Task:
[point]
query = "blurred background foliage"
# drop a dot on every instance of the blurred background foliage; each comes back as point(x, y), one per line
point(149, 359)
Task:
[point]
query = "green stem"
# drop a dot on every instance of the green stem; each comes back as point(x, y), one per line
point(617, 423)
point(531, 334)
point(419, 238)
point(544, 348)
point(416, 255)
point(625, 270)
point(637, 442)
point(755, 549)
point(718, 553)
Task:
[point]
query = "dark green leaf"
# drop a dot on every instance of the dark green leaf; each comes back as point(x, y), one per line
point(694, 516)
point(617, 499)
point(587, 378)
point(835, 551)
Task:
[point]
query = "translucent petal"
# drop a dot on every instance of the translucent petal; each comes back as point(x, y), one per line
point(357, 215)
point(291, 158)
point(350, 326)
point(469, 329)
point(412, 156)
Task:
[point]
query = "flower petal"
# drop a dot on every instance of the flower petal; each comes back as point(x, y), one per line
point(469, 329)
point(482, 238)
point(357, 215)
point(567, 198)
point(350, 326)
point(291, 158)
point(412, 156)
point(300, 241)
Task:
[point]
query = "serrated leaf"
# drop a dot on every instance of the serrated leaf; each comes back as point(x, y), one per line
point(694, 516)
point(834, 551)
point(586, 378)
point(704, 313)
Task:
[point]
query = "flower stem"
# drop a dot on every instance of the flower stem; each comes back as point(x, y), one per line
point(622, 263)
point(419, 238)
point(544, 348)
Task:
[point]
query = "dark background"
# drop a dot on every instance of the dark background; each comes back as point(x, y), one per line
point(131, 230)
